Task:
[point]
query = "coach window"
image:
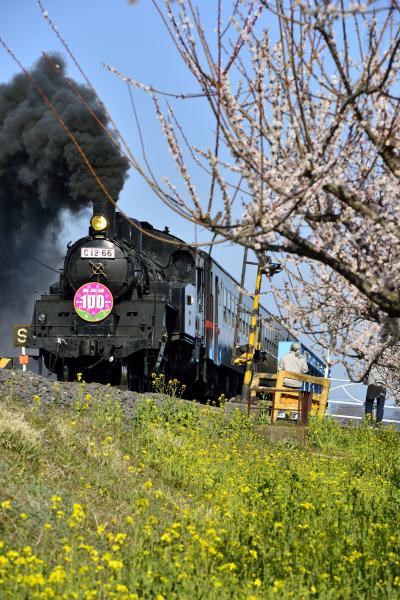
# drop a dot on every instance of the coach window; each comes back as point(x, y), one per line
point(275, 340)
point(225, 292)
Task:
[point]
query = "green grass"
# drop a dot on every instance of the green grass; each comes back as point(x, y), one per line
point(180, 501)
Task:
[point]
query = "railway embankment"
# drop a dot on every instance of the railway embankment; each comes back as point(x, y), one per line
point(109, 494)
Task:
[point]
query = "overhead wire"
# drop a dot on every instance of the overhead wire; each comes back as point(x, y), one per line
point(41, 263)
point(139, 130)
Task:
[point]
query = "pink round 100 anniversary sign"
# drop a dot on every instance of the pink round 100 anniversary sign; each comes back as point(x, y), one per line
point(93, 302)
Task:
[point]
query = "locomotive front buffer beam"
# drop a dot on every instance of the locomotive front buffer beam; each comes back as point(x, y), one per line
point(131, 327)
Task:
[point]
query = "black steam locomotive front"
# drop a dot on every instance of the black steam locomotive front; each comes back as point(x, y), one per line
point(109, 261)
point(106, 315)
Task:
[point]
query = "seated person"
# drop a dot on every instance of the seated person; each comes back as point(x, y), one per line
point(295, 362)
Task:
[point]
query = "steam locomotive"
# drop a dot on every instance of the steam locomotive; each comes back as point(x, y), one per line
point(130, 303)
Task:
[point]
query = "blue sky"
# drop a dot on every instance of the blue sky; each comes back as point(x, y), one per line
point(134, 40)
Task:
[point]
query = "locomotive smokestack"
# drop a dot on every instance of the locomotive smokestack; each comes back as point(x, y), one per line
point(43, 179)
point(102, 206)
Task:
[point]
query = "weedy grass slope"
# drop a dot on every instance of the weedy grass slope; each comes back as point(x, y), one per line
point(181, 501)
point(17, 435)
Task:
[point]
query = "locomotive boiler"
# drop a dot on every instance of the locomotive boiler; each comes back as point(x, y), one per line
point(129, 302)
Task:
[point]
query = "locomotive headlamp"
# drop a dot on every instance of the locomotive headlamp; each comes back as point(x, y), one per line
point(99, 222)
point(42, 318)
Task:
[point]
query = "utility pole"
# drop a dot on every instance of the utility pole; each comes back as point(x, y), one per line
point(239, 304)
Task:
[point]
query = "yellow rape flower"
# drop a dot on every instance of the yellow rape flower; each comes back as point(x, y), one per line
point(230, 567)
point(278, 585)
point(142, 502)
point(58, 575)
point(33, 580)
point(120, 538)
point(77, 517)
point(115, 565)
point(120, 587)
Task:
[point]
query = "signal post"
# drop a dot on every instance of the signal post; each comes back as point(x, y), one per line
point(271, 270)
point(20, 337)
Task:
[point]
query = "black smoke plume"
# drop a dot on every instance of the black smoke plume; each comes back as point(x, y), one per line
point(43, 178)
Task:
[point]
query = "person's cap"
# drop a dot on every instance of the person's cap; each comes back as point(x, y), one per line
point(295, 346)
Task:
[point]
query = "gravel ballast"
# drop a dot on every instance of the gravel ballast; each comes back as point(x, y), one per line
point(24, 386)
